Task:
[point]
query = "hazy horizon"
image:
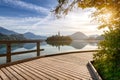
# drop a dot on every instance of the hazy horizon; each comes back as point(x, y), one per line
point(34, 16)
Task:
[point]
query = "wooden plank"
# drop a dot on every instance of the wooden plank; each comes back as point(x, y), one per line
point(66, 68)
point(65, 72)
point(22, 52)
point(3, 75)
point(49, 68)
point(9, 74)
point(74, 67)
point(15, 74)
point(71, 58)
point(0, 78)
point(17, 41)
point(51, 72)
point(57, 61)
point(63, 69)
point(42, 74)
point(65, 62)
point(33, 72)
point(26, 72)
point(21, 73)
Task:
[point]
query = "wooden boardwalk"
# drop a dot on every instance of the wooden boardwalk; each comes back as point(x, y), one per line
point(61, 67)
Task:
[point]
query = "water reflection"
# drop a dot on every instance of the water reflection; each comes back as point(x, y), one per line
point(29, 45)
point(2, 49)
point(53, 47)
point(57, 44)
point(93, 43)
point(14, 47)
point(78, 44)
point(74, 44)
point(17, 47)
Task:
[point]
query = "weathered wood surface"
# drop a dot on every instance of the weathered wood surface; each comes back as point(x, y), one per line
point(61, 67)
point(17, 41)
point(22, 52)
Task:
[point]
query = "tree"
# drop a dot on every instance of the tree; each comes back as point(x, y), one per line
point(107, 13)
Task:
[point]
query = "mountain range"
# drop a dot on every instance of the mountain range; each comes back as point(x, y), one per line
point(12, 37)
point(30, 35)
point(5, 32)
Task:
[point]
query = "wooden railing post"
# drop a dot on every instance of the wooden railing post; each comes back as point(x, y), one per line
point(8, 59)
point(9, 52)
point(38, 48)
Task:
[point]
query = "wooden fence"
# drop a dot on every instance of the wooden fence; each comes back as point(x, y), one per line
point(9, 53)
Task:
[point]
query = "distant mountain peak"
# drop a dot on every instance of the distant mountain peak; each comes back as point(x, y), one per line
point(78, 36)
point(6, 31)
point(1, 27)
point(31, 35)
point(28, 32)
point(78, 33)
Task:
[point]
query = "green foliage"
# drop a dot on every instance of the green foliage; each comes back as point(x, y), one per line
point(106, 60)
point(59, 38)
point(12, 37)
point(107, 13)
point(64, 6)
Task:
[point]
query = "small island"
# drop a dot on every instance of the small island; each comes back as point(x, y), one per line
point(58, 40)
point(58, 37)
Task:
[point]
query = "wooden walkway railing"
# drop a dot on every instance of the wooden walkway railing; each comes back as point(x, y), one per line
point(9, 53)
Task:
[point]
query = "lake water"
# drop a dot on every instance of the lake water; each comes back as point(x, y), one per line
point(49, 48)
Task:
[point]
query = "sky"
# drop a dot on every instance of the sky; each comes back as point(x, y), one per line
point(35, 16)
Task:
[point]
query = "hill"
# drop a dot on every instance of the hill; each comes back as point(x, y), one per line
point(30, 35)
point(6, 31)
point(78, 36)
point(12, 37)
point(7, 34)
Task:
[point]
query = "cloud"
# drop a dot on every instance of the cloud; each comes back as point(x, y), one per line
point(18, 24)
point(73, 22)
point(25, 5)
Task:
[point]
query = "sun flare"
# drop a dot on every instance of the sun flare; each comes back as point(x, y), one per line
point(107, 16)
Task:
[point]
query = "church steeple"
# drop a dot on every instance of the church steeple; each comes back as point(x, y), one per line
point(58, 33)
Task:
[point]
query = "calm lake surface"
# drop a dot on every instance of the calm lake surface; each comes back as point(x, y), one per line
point(49, 48)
